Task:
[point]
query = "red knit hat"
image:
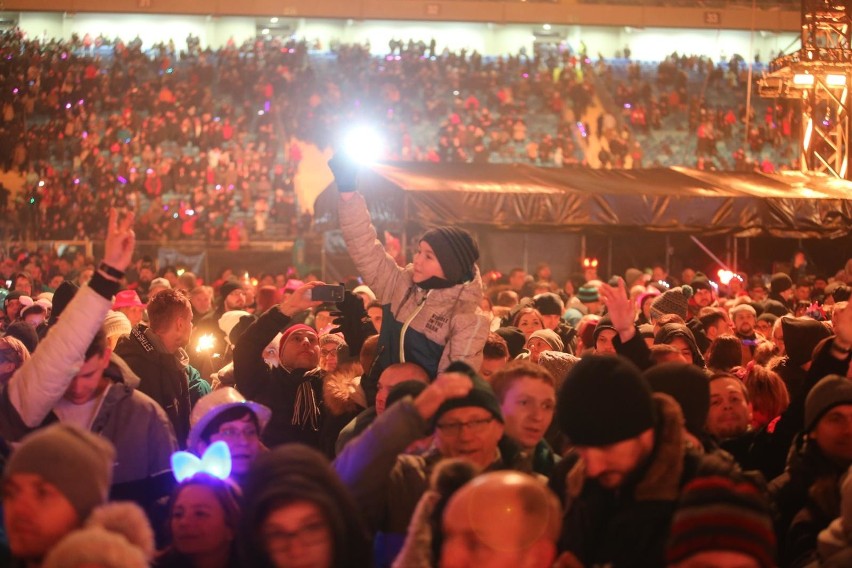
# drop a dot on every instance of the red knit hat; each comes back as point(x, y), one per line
point(285, 335)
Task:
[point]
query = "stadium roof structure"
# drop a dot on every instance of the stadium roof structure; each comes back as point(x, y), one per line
point(610, 202)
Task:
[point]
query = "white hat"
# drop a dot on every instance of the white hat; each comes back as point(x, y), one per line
point(364, 289)
point(160, 283)
point(116, 323)
point(212, 405)
point(229, 320)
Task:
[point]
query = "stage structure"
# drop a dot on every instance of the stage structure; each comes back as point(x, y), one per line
point(819, 75)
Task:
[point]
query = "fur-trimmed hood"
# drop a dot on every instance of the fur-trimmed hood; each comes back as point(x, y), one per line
point(116, 535)
point(341, 390)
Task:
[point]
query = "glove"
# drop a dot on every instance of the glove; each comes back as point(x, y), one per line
point(345, 172)
point(352, 321)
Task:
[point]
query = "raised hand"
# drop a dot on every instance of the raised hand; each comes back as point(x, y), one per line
point(619, 308)
point(300, 300)
point(345, 172)
point(445, 387)
point(120, 241)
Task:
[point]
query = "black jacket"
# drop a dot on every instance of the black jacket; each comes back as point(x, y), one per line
point(161, 378)
point(277, 388)
point(630, 526)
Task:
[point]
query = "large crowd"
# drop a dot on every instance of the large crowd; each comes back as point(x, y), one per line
point(203, 143)
point(431, 414)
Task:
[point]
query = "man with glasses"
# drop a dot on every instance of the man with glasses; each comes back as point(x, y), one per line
point(464, 414)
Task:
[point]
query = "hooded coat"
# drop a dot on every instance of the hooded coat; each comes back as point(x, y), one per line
point(132, 421)
point(429, 327)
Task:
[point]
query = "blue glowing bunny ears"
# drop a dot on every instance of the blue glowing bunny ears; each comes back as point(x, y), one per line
point(216, 461)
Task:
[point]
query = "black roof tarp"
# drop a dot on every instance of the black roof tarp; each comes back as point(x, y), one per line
point(677, 200)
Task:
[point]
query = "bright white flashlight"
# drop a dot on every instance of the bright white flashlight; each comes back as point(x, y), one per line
point(363, 145)
point(205, 343)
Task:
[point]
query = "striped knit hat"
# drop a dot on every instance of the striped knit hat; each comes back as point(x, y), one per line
point(716, 513)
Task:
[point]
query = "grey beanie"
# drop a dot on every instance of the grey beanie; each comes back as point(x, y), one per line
point(77, 462)
point(550, 337)
point(830, 391)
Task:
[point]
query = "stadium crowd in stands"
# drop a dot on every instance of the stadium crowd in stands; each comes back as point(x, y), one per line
point(205, 144)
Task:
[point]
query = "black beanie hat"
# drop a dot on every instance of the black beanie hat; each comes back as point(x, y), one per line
point(456, 251)
point(701, 282)
point(775, 308)
point(549, 304)
point(780, 282)
point(514, 339)
point(801, 336)
point(604, 323)
point(688, 385)
point(227, 287)
point(480, 395)
point(13, 295)
point(604, 401)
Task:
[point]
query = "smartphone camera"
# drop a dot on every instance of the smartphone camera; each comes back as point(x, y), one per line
point(327, 293)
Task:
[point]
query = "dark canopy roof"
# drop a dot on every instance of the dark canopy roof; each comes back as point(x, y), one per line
point(678, 200)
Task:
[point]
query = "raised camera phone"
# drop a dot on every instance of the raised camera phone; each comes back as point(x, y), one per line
point(327, 293)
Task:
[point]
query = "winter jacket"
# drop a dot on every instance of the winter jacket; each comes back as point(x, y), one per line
point(277, 387)
point(34, 389)
point(136, 425)
point(807, 499)
point(133, 422)
point(388, 484)
point(173, 386)
point(433, 327)
point(771, 448)
point(630, 526)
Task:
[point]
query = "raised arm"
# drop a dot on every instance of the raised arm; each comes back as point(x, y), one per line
point(250, 371)
point(379, 270)
point(41, 382)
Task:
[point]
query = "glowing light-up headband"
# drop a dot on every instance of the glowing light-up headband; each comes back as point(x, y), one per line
point(216, 461)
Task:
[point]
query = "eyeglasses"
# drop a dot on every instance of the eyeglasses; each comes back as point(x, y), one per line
point(312, 534)
point(232, 433)
point(455, 428)
point(329, 352)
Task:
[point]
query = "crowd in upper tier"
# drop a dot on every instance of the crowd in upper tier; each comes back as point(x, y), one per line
point(205, 144)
